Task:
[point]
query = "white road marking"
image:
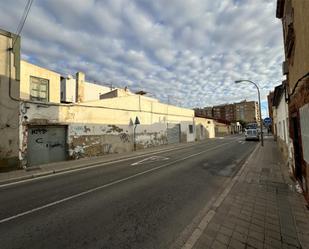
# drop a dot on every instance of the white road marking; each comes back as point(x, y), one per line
point(151, 159)
point(105, 185)
point(91, 166)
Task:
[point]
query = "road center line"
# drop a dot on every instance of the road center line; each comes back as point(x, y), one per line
point(51, 204)
point(91, 166)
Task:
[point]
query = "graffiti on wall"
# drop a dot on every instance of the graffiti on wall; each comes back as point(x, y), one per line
point(114, 129)
point(125, 137)
point(38, 131)
point(95, 140)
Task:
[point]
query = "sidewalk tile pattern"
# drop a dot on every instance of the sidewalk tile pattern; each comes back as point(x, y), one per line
point(262, 210)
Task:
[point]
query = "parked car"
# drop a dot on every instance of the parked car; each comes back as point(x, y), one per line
point(252, 134)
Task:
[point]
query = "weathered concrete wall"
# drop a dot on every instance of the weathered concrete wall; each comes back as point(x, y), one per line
point(87, 140)
point(9, 108)
point(107, 128)
point(204, 128)
point(28, 70)
point(150, 135)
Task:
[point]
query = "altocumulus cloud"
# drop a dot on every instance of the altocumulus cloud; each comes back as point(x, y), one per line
point(187, 51)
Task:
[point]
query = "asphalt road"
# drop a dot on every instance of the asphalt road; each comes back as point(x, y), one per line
point(139, 203)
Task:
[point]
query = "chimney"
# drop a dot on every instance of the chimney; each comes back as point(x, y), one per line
point(80, 79)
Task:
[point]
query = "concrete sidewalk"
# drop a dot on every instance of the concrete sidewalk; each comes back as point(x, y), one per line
point(262, 210)
point(57, 167)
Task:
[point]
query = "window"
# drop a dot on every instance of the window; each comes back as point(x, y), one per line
point(190, 129)
point(39, 89)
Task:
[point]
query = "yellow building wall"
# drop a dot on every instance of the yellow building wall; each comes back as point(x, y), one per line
point(9, 104)
point(148, 111)
point(93, 91)
point(27, 69)
point(208, 127)
point(300, 61)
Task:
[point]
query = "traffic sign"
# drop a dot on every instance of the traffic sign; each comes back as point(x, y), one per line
point(267, 120)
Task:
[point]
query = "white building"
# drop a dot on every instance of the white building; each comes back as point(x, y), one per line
point(90, 91)
point(281, 119)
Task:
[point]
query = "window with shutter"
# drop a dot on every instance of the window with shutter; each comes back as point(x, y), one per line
point(39, 89)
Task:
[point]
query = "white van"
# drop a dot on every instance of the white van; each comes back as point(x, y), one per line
point(252, 134)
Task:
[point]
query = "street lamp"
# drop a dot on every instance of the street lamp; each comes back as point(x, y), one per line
point(258, 90)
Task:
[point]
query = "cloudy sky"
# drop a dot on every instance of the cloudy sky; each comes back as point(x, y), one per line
point(186, 51)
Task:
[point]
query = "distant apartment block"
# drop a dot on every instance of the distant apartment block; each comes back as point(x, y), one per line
point(219, 112)
point(230, 112)
point(247, 111)
point(206, 112)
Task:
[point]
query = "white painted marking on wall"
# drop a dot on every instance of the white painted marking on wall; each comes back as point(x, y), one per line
point(51, 204)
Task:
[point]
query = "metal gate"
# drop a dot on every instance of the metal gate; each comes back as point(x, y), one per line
point(46, 144)
point(173, 133)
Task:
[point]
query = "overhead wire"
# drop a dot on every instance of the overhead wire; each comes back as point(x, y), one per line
point(22, 21)
point(10, 50)
point(22, 17)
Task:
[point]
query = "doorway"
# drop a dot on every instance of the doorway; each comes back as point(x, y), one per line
point(46, 144)
point(297, 148)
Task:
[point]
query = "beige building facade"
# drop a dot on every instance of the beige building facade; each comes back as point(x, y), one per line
point(38, 124)
point(38, 83)
point(204, 128)
point(106, 126)
point(9, 95)
point(294, 16)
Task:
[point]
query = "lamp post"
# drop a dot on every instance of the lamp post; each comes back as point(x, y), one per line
point(261, 121)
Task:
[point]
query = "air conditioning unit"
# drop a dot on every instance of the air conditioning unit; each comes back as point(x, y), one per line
point(285, 68)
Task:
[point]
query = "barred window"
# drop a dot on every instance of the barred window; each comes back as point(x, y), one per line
point(39, 89)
